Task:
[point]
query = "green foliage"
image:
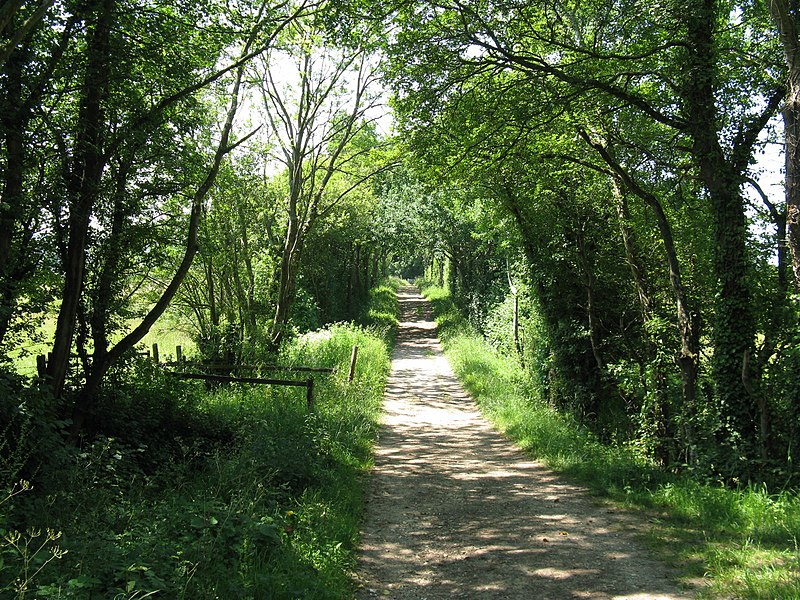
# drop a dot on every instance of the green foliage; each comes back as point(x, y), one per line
point(237, 492)
point(32, 432)
point(597, 153)
point(745, 541)
point(305, 312)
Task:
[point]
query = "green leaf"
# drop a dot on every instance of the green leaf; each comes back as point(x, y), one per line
point(83, 582)
point(198, 522)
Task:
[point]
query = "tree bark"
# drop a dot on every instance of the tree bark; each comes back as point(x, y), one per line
point(587, 275)
point(250, 319)
point(515, 317)
point(786, 19)
point(376, 261)
point(734, 326)
point(288, 267)
point(108, 271)
point(83, 186)
point(638, 272)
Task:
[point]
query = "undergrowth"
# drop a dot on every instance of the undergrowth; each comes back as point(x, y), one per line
point(743, 542)
point(233, 492)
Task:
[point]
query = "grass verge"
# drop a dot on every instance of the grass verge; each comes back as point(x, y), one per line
point(742, 543)
point(234, 492)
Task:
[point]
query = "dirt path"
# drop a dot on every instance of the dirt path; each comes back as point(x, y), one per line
point(455, 511)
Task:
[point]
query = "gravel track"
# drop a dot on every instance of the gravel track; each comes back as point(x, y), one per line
point(454, 510)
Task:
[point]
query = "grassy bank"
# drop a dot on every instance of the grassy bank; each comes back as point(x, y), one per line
point(235, 492)
point(743, 542)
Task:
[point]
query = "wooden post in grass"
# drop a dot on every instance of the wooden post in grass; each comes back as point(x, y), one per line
point(310, 394)
point(41, 365)
point(155, 353)
point(353, 358)
point(178, 354)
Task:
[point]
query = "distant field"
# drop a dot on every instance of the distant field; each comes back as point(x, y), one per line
point(165, 333)
point(24, 356)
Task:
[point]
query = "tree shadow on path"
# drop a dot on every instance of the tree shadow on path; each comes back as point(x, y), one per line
point(455, 511)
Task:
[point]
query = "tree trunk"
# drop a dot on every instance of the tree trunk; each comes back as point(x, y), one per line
point(734, 327)
point(367, 263)
point(286, 281)
point(211, 292)
point(358, 284)
point(781, 233)
point(791, 120)
point(83, 187)
point(587, 275)
point(108, 270)
point(785, 17)
point(631, 254)
point(515, 317)
point(250, 314)
point(13, 119)
point(376, 261)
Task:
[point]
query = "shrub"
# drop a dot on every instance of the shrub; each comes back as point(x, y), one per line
point(183, 492)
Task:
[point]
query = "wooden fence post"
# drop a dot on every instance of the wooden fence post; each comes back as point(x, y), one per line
point(310, 394)
point(353, 358)
point(178, 354)
point(41, 365)
point(155, 353)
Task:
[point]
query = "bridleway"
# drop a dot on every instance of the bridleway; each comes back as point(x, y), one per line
point(454, 510)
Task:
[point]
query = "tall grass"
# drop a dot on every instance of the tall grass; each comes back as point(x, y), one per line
point(742, 542)
point(235, 492)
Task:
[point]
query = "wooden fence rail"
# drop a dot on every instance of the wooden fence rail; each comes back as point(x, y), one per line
point(232, 367)
point(42, 360)
point(308, 383)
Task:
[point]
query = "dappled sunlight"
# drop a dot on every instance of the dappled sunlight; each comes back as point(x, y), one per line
point(456, 511)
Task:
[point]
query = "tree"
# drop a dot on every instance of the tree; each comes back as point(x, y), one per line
point(315, 118)
point(785, 17)
point(612, 58)
point(225, 296)
point(125, 141)
point(31, 52)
